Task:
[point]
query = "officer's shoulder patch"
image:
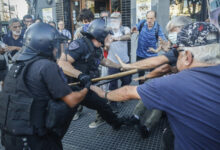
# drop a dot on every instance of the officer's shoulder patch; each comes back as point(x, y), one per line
point(73, 45)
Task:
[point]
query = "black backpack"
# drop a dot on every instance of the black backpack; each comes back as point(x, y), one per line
point(156, 32)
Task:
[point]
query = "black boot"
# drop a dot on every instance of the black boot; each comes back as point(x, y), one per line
point(132, 121)
point(141, 129)
point(120, 121)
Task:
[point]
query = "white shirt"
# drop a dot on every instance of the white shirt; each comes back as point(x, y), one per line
point(119, 47)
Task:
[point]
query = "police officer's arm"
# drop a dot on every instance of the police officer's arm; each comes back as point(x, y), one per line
point(75, 98)
point(122, 94)
point(109, 63)
point(65, 62)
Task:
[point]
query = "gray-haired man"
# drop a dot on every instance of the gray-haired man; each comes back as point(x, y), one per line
point(14, 39)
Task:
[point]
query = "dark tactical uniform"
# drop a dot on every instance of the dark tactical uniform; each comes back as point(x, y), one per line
point(87, 59)
point(32, 115)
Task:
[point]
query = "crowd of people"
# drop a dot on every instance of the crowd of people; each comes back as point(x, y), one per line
point(39, 101)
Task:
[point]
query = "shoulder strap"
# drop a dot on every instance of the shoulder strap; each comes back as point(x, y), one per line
point(142, 25)
point(91, 48)
point(157, 32)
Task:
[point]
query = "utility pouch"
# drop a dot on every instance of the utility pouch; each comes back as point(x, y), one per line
point(59, 117)
point(15, 114)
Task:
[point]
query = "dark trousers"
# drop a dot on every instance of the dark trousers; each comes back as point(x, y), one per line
point(114, 84)
point(93, 101)
point(34, 142)
point(140, 73)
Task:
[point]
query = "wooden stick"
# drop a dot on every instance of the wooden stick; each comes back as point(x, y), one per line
point(113, 76)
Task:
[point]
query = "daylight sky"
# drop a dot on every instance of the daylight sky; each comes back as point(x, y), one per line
point(22, 7)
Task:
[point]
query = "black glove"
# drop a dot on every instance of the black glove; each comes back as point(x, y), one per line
point(172, 56)
point(85, 80)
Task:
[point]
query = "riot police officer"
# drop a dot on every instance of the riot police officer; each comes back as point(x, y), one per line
point(81, 61)
point(37, 105)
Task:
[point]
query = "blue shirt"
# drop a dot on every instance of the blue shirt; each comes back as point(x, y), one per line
point(10, 41)
point(66, 33)
point(147, 39)
point(191, 100)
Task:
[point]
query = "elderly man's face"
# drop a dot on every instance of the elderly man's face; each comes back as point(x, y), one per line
point(61, 25)
point(16, 28)
point(150, 19)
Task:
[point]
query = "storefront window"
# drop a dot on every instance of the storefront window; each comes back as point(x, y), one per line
point(115, 5)
point(96, 6)
point(191, 8)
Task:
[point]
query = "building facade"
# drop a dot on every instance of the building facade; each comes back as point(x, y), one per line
point(132, 11)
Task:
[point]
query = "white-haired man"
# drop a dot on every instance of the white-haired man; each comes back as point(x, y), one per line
point(14, 39)
point(191, 97)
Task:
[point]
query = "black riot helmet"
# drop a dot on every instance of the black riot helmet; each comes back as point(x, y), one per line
point(40, 39)
point(98, 30)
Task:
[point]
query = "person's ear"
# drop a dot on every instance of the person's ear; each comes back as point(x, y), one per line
point(188, 58)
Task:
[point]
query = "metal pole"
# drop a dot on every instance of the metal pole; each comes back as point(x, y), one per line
point(9, 8)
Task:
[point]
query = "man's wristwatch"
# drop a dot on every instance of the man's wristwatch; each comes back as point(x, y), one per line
point(106, 94)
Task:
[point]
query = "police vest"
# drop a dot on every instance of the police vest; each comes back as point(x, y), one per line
point(89, 63)
point(21, 114)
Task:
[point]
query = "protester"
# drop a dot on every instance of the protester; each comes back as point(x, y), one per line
point(14, 39)
point(81, 61)
point(193, 107)
point(119, 46)
point(149, 32)
point(145, 119)
point(37, 20)
point(85, 16)
point(41, 104)
point(27, 21)
point(63, 31)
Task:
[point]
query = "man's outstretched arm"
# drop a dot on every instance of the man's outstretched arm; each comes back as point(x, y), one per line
point(145, 63)
point(122, 94)
point(152, 62)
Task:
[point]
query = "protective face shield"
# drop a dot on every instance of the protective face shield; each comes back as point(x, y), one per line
point(115, 23)
point(172, 37)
